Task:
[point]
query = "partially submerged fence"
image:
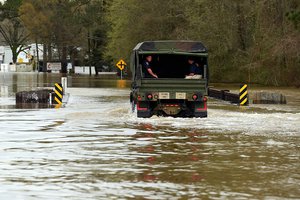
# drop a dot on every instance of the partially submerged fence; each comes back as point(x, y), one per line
point(225, 95)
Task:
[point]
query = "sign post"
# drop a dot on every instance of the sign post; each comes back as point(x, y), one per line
point(121, 65)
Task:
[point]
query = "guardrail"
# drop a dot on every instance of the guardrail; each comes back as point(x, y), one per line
point(225, 95)
point(242, 98)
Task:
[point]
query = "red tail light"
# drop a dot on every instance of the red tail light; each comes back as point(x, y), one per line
point(195, 97)
point(204, 99)
point(149, 96)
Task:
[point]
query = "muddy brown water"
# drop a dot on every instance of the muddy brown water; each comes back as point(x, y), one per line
point(95, 148)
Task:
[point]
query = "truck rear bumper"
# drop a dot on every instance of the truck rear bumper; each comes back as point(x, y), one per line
point(175, 109)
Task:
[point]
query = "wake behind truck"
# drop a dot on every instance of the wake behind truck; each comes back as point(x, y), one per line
point(173, 93)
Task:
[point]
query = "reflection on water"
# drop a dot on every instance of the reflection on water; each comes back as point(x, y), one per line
point(16, 82)
point(95, 148)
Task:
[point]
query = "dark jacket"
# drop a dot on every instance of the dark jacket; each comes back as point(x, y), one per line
point(145, 67)
point(195, 68)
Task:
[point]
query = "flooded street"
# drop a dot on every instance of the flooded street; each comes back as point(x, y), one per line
point(96, 148)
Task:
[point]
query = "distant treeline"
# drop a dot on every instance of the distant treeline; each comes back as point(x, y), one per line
point(255, 41)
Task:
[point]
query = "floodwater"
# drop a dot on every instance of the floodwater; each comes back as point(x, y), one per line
point(95, 148)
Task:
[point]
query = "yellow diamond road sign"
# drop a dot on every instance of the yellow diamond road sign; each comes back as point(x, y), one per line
point(121, 64)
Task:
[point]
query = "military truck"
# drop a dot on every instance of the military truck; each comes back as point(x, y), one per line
point(172, 93)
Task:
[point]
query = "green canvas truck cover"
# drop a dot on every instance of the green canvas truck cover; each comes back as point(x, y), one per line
point(174, 46)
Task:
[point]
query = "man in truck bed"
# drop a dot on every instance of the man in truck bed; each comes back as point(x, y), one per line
point(147, 70)
point(170, 94)
point(195, 71)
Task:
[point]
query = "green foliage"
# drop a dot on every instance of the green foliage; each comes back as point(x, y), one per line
point(294, 16)
point(9, 9)
point(138, 20)
point(247, 40)
point(65, 25)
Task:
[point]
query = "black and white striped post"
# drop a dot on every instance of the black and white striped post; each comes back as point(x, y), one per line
point(244, 101)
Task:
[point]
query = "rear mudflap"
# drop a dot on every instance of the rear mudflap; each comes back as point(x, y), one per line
point(143, 109)
point(200, 109)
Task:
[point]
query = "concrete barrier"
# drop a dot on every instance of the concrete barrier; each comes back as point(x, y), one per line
point(268, 98)
point(4, 91)
point(13, 67)
point(24, 68)
point(256, 97)
point(38, 96)
point(4, 68)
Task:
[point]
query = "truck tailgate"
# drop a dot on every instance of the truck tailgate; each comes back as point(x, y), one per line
point(179, 85)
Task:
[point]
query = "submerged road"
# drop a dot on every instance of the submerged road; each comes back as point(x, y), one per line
point(95, 148)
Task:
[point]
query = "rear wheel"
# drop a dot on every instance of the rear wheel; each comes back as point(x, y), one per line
point(132, 102)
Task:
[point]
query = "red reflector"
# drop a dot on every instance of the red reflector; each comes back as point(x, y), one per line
point(195, 97)
point(204, 108)
point(139, 98)
point(140, 108)
point(171, 105)
point(149, 96)
point(205, 99)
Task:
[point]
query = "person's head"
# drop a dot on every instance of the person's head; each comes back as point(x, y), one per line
point(149, 58)
point(190, 61)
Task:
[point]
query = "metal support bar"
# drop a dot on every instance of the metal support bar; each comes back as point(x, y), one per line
point(64, 82)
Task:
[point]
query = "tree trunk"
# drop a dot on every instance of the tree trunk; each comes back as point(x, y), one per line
point(45, 58)
point(64, 60)
point(37, 56)
point(72, 57)
point(49, 48)
point(14, 55)
point(241, 29)
point(89, 52)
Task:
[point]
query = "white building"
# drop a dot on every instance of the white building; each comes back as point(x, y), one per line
point(23, 57)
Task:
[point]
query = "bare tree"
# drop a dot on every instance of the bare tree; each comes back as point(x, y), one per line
point(11, 29)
